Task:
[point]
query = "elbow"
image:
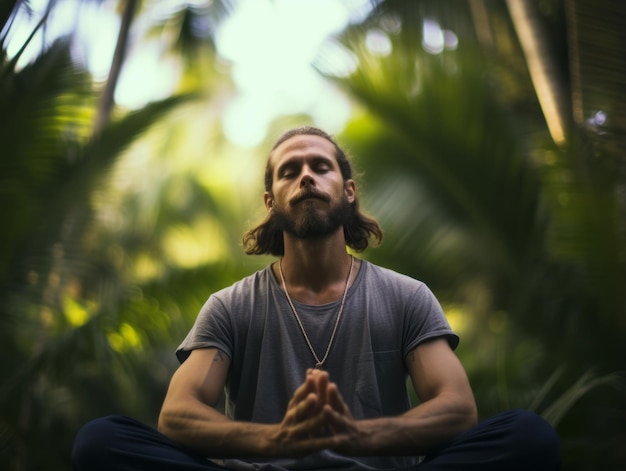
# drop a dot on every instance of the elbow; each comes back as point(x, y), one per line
point(468, 414)
point(463, 413)
point(164, 423)
point(169, 423)
point(472, 415)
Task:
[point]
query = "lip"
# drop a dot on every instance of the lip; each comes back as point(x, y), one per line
point(309, 196)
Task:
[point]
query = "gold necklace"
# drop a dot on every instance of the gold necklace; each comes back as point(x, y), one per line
point(318, 363)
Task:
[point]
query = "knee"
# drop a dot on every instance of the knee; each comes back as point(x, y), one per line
point(93, 443)
point(535, 440)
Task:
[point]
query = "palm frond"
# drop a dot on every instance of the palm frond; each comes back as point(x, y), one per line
point(443, 126)
point(587, 382)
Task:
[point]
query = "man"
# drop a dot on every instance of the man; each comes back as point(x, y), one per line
point(313, 354)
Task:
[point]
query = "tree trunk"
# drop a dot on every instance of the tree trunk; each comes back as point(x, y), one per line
point(106, 99)
point(541, 67)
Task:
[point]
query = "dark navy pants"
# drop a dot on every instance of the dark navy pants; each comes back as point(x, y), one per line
point(511, 441)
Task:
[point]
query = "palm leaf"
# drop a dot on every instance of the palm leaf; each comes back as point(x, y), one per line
point(441, 124)
point(587, 382)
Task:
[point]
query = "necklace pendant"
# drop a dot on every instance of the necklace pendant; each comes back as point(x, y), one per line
point(318, 366)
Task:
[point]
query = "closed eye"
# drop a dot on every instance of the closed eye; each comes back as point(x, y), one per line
point(288, 171)
point(322, 167)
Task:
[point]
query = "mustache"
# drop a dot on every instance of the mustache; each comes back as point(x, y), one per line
point(307, 194)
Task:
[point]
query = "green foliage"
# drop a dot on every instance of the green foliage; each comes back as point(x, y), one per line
point(525, 240)
point(555, 412)
point(522, 241)
point(64, 312)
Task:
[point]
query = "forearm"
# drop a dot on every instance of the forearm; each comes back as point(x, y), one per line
point(415, 432)
point(207, 432)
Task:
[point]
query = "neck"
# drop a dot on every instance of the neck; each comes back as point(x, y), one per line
point(316, 264)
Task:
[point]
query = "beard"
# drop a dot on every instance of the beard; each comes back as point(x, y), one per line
point(310, 222)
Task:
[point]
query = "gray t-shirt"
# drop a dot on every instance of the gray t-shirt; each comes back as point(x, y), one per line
point(385, 316)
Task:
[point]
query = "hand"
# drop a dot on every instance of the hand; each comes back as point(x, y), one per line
point(317, 418)
point(348, 436)
point(303, 429)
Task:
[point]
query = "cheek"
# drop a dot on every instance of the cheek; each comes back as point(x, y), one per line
point(279, 195)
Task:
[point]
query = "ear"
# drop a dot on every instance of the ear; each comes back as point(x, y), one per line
point(268, 201)
point(350, 190)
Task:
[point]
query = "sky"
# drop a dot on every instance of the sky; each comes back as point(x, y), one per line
point(270, 44)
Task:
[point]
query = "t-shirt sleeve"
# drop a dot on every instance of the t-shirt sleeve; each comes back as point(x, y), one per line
point(426, 320)
point(212, 328)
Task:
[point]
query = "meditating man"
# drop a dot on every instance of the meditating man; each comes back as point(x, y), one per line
point(310, 356)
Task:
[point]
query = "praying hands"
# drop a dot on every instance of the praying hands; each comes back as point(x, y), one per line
point(316, 418)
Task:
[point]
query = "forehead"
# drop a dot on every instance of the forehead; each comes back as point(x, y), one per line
point(301, 147)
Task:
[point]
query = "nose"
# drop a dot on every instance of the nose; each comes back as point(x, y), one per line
point(307, 178)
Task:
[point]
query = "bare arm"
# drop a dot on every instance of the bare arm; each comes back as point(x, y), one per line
point(447, 408)
point(189, 417)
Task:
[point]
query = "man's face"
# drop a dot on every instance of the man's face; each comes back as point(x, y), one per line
point(309, 197)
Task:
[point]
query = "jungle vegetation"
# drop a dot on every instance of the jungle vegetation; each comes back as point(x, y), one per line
point(495, 164)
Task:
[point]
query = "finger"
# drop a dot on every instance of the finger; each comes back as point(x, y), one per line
point(315, 425)
point(337, 422)
point(316, 374)
point(318, 381)
point(322, 381)
point(302, 391)
point(307, 408)
point(301, 410)
point(335, 400)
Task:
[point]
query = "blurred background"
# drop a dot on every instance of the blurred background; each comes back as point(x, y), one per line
point(489, 136)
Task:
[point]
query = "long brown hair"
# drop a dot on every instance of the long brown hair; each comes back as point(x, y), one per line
point(267, 238)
